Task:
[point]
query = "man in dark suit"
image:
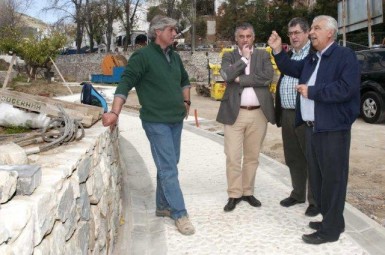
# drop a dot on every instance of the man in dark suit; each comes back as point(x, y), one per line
point(246, 108)
point(293, 137)
point(329, 102)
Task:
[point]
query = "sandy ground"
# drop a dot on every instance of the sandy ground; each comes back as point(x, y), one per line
point(366, 187)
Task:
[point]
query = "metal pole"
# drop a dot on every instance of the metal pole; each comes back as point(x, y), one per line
point(343, 24)
point(369, 24)
point(194, 10)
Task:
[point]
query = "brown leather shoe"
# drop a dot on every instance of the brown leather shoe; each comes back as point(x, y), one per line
point(252, 201)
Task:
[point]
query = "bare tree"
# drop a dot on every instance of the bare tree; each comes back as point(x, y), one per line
point(94, 21)
point(11, 12)
point(128, 17)
point(72, 9)
point(111, 13)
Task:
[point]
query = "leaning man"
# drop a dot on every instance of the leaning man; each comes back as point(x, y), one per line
point(163, 89)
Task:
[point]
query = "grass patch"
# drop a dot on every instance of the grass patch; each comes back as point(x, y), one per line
point(15, 130)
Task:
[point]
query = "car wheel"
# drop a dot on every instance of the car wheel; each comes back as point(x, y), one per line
point(372, 107)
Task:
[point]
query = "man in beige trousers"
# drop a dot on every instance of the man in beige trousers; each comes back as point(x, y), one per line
point(246, 108)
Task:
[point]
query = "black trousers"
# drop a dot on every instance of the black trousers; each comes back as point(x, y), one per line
point(294, 145)
point(328, 159)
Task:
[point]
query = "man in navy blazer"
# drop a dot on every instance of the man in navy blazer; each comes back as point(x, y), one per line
point(328, 99)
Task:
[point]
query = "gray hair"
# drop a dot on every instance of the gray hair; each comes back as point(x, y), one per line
point(331, 23)
point(160, 22)
point(244, 26)
point(304, 25)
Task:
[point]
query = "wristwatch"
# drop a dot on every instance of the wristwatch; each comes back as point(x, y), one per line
point(188, 102)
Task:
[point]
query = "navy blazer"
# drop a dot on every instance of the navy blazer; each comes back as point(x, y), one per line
point(336, 92)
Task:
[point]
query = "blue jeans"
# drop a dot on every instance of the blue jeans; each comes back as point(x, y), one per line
point(165, 147)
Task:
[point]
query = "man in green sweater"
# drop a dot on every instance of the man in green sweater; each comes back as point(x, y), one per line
point(163, 89)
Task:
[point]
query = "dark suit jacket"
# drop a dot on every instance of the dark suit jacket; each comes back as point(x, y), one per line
point(261, 75)
point(278, 106)
point(336, 93)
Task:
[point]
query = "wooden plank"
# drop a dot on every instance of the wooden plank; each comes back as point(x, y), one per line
point(33, 103)
point(61, 76)
point(9, 71)
point(94, 111)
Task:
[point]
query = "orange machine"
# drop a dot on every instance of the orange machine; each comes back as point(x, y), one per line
point(111, 61)
point(112, 69)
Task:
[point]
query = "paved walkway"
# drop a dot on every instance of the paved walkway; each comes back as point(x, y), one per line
point(270, 229)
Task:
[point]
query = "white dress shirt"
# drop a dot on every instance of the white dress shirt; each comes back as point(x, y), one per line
point(248, 97)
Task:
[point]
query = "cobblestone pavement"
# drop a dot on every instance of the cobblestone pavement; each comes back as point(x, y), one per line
point(270, 229)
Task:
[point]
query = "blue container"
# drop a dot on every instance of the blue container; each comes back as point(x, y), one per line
point(114, 78)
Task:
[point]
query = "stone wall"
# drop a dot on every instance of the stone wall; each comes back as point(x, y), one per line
point(79, 67)
point(76, 209)
point(3, 74)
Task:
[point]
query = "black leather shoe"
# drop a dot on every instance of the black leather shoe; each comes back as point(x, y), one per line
point(231, 204)
point(287, 202)
point(312, 211)
point(316, 225)
point(314, 238)
point(252, 201)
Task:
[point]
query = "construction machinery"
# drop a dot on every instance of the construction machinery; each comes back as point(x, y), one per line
point(216, 86)
point(112, 69)
point(277, 73)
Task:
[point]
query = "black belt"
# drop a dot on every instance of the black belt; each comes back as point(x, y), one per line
point(309, 123)
point(250, 107)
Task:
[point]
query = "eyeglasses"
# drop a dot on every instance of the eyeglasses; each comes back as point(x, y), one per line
point(294, 33)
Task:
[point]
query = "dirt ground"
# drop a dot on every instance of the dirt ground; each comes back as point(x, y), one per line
point(366, 187)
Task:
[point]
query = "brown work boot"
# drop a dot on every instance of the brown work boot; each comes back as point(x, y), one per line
point(185, 226)
point(163, 213)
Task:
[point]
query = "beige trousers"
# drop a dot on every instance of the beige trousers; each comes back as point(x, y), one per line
point(243, 142)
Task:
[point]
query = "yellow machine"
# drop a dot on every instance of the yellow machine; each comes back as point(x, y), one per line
point(277, 73)
point(216, 86)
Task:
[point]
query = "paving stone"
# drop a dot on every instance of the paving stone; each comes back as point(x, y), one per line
point(29, 177)
point(270, 229)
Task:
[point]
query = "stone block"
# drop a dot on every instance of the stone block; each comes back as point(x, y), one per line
point(65, 201)
point(43, 248)
point(83, 169)
point(71, 223)
point(43, 204)
point(83, 203)
point(12, 153)
point(13, 219)
point(57, 239)
point(95, 186)
point(23, 245)
point(29, 177)
point(8, 184)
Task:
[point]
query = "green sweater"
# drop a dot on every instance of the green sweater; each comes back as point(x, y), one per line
point(158, 83)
